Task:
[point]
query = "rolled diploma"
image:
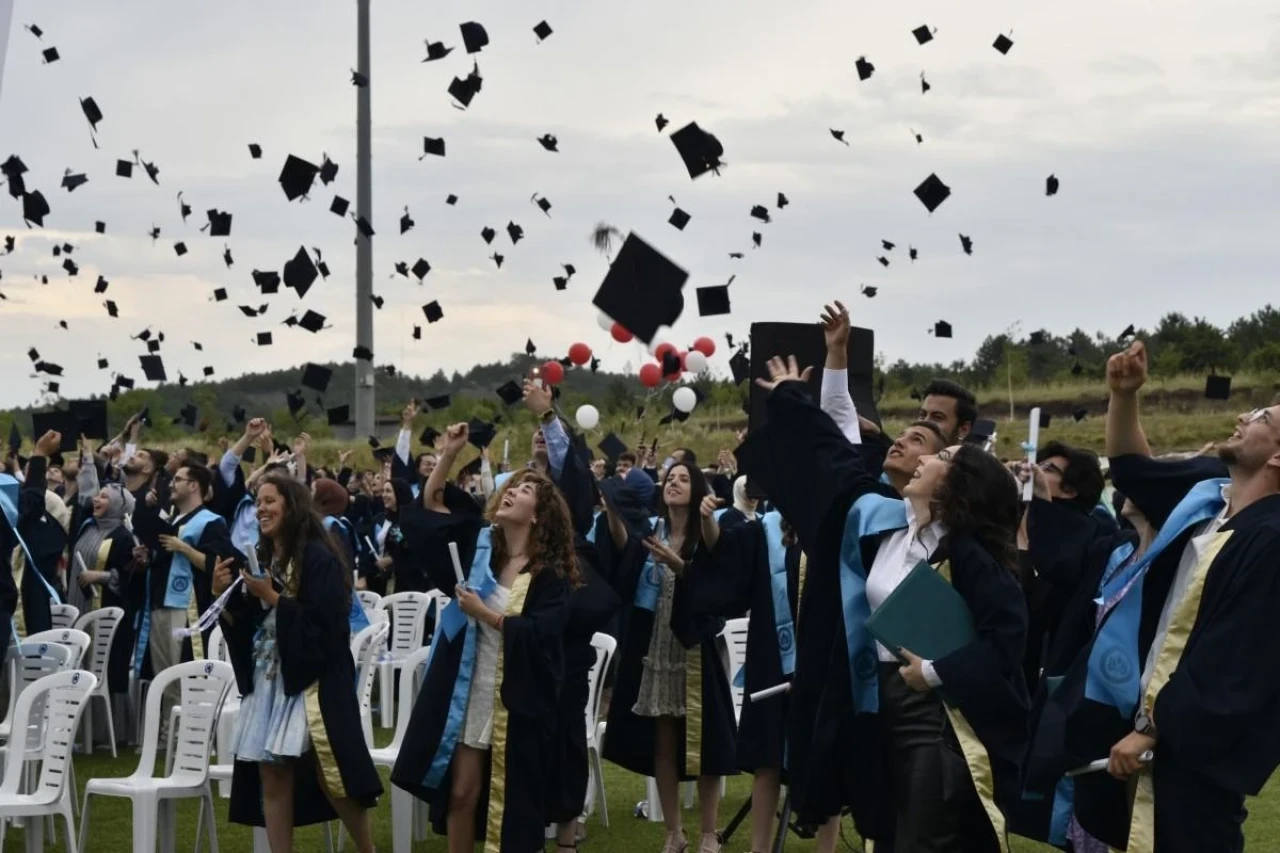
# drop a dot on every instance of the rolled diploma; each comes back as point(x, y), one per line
point(457, 571)
point(784, 687)
point(1101, 764)
point(1033, 440)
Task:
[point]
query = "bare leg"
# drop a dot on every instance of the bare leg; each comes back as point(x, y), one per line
point(828, 834)
point(764, 806)
point(355, 818)
point(567, 834)
point(708, 810)
point(666, 774)
point(464, 796)
point(277, 805)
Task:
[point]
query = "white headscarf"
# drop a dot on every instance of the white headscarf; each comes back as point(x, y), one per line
point(742, 503)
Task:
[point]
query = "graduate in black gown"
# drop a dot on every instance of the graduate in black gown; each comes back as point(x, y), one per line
point(671, 714)
point(915, 770)
point(1183, 633)
point(478, 741)
point(42, 521)
point(300, 758)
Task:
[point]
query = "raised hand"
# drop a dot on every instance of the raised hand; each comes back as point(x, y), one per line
point(835, 326)
point(662, 553)
point(784, 371)
point(48, 444)
point(709, 505)
point(300, 444)
point(455, 438)
point(255, 428)
point(537, 397)
point(342, 458)
point(1127, 371)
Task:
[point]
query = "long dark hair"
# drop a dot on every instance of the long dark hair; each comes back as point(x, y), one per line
point(551, 539)
point(979, 498)
point(301, 524)
point(698, 489)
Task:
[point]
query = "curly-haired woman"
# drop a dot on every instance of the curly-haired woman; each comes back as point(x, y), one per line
point(924, 753)
point(296, 760)
point(477, 745)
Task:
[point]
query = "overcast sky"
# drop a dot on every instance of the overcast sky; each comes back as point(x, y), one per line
point(1161, 126)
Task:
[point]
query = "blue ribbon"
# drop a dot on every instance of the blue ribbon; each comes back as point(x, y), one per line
point(870, 515)
point(649, 584)
point(178, 590)
point(1115, 671)
point(783, 624)
point(8, 504)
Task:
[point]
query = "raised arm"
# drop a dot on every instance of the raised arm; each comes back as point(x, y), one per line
point(455, 438)
point(1126, 374)
point(835, 399)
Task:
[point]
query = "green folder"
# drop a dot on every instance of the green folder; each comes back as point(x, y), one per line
point(924, 615)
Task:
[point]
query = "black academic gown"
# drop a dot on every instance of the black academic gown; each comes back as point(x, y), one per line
point(737, 582)
point(629, 742)
point(313, 638)
point(8, 589)
point(48, 543)
point(835, 756)
point(120, 561)
point(532, 672)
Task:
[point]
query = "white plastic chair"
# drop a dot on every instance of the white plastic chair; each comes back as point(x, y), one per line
point(371, 603)
point(734, 638)
point(26, 664)
point(230, 712)
point(605, 647)
point(101, 625)
point(203, 684)
point(73, 638)
point(62, 697)
point(408, 615)
point(404, 806)
point(365, 649)
point(64, 615)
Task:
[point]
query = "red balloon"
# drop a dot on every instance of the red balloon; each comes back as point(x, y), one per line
point(706, 346)
point(675, 376)
point(579, 353)
point(553, 372)
point(663, 348)
point(650, 375)
point(620, 333)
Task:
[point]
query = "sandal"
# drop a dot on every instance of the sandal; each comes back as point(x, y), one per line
point(710, 843)
point(676, 844)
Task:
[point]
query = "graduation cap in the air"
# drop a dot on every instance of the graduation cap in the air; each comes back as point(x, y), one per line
point(713, 301)
point(300, 272)
point(359, 80)
point(700, 151)
point(451, 199)
point(362, 353)
point(1045, 419)
point(328, 171)
point(188, 415)
point(437, 403)
point(542, 30)
point(429, 436)
point(9, 243)
point(71, 180)
point(184, 209)
point(226, 256)
point(869, 292)
point(91, 416)
point(312, 322)
point(255, 150)
point(295, 401)
point(432, 145)
point(463, 90)
point(510, 393)
point(966, 243)
point(549, 142)
point(180, 248)
point(543, 204)
point(642, 290)
point(103, 364)
point(153, 368)
point(316, 377)
point(661, 121)
point(759, 211)
point(1217, 387)
point(865, 69)
point(912, 252)
point(338, 415)
point(402, 268)
point(220, 294)
point(152, 170)
point(1051, 185)
point(474, 36)
point(923, 34)
point(481, 433)
point(13, 169)
point(487, 234)
point(932, 192)
point(515, 232)
point(942, 329)
point(112, 310)
point(70, 266)
point(612, 447)
point(34, 207)
point(884, 262)
point(433, 312)
point(339, 206)
point(1128, 332)
point(421, 268)
point(59, 421)
point(377, 301)
point(417, 333)
point(264, 339)
point(679, 219)
point(297, 176)
point(1003, 43)
point(219, 224)
point(924, 84)
point(837, 135)
point(436, 50)
point(406, 221)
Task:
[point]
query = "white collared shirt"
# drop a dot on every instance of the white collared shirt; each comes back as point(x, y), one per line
point(836, 401)
point(898, 554)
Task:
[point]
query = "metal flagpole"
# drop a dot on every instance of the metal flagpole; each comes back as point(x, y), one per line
point(364, 392)
point(6, 13)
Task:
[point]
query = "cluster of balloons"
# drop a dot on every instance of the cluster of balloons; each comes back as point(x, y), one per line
point(694, 360)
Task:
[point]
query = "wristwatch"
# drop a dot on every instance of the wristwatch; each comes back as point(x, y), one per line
point(548, 416)
point(1143, 725)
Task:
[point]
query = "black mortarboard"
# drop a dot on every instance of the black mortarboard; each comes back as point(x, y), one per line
point(432, 311)
point(542, 30)
point(1035, 338)
point(153, 368)
point(35, 30)
point(451, 199)
point(249, 310)
point(482, 433)
point(474, 36)
point(942, 329)
point(297, 176)
point(865, 69)
point(1128, 332)
point(91, 112)
point(152, 170)
point(15, 437)
point(72, 180)
point(487, 234)
point(417, 333)
point(295, 401)
point(364, 226)
point(359, 80)
point(208, 371)
point(339, 205)
point(58, 421)
point(670, 363)
point(429, 436)
point(510, 393)
point(264, 339)
point(188, 415)
point(402, 268)
point(153, 346)
point(1003, 43)
point(184, 209)
point(642, 290)
point(560, 282)
point(219, 223)
point(700, 150)
point(100, 227)
point(34, 207)
point(255, 150)
point(884, 262)
point(312, 322)
point(932, 192)
point(436, 50)
point(966, 243)
point(679, 219)
point(377, 301)
point(515, 232)
point(463, 90)
point(543, 204)
point(421, 268)
point(406, 221)
point(103, 364)
point(92, 417)
point(869, 292)
point(1045, 419)
point(316, 377)
point(50, 54)
point(1051, 185)
point(339, 415)
point(1217, 387)
point(239, 414)
point(549, 142)
point(124, 168)
point(438, 402)
point(220, 294)
point(530, 347)
point(180, 248)
point(432, 145)
point(923, 34)
point(741, 367)
point(33, 354)
point(713, 301)
point(70, 266)
point(924, 84)
point(363, 353)
point(328, 171)
point(226, 256)
point(268, 281)
point(913, 252)
point(612, 446)
point(300, 272)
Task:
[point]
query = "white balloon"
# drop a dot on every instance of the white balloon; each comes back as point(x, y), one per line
point(588, 417)
point(604, 321)
point(695, 362)
point(684, 399)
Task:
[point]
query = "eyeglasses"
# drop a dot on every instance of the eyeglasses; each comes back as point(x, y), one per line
point(1258, 415)
point(181, 480)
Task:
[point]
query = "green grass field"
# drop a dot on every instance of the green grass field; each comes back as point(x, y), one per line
point(112, 824)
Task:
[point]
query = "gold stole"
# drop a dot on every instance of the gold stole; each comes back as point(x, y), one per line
point(498, 737)
point(19, 563)
point(804, 568)
point(99, 565)
point(330, 775)
point(1142, 823)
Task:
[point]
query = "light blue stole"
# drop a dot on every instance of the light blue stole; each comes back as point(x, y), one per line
point(1115, 670)
point(356, 616)
point(870, 515)
point(649, 584)
point(177, 593)
point(783, 624)
point(9, 492)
